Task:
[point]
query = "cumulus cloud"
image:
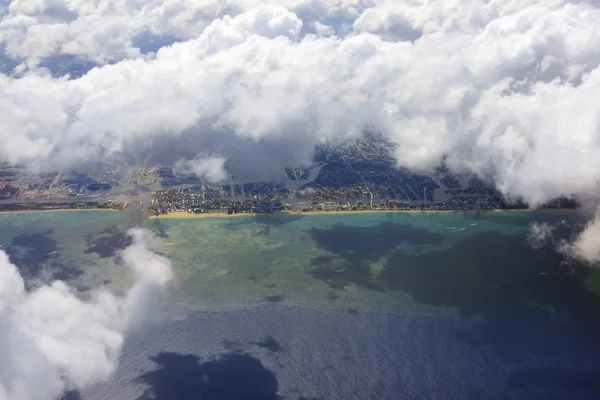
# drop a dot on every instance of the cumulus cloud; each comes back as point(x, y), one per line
point(504, 89)
point(51, 340)
point(408, 20)
point(586, 246)
point(210, 168)
point(107, 30)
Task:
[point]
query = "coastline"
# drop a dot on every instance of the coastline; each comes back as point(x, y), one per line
point(59, 209)
point(188, 215)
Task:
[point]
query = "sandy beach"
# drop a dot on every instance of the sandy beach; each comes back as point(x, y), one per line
point(173, 215)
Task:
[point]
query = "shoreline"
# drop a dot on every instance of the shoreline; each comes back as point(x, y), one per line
point(188, 215)
point(59, 210)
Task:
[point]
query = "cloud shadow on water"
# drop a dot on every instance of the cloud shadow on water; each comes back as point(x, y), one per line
point(70, 395)
point(36, 256)
point(159, 229)
point(529, 300)
point(373, 242)
point(338, 272)
point(526, 301)
point(354, 248)
point(30, 251)
point(232, 376)
point(275, 298)
point(270, 343)
point(270, 220)
point(108, 242)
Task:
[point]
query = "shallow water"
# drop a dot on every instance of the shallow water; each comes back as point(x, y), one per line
point(396, 305)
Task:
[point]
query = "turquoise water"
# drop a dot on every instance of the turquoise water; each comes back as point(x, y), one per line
point(347, 260)
point(229, 261)
point(43, 244)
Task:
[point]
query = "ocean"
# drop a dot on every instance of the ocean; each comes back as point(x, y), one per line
point(352, 306)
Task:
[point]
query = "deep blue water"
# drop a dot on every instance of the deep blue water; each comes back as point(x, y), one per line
point(304, 353)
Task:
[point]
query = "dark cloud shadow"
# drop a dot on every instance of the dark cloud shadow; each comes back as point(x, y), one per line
point(338, 272)
point(159, 228)
point(270, 343)
point(354, 248)
point(371, 243)
point(108, 242)
point(30, 251)
point(232, 376)
point(529, 300)
point(67, 273)
point(275, 299)
point(269, 220)
point(36, 256)
point(70, 395)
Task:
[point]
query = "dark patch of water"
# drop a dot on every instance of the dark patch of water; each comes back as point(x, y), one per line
point(67, 273)
point(36, 255)
point(339, 272)
point(557, 382)
point(108, 242)
point(71, 395)
point(371, 243)
point(231, 376)
point(524, 218)
point(530, 301)
point(275, 299)
point(270, 343)
point(159, 229)
point(30, 250)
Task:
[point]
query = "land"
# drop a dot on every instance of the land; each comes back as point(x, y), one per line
point(185, 214)
point(359, 177)
point(30, 207)
point(356, 177)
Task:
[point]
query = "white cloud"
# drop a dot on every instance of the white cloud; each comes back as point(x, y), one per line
point(210, 168)
point(411, 19)
point(51, 340)
point(105, 30)
point(586, 246)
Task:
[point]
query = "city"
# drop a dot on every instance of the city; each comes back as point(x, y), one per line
point(358, 177)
